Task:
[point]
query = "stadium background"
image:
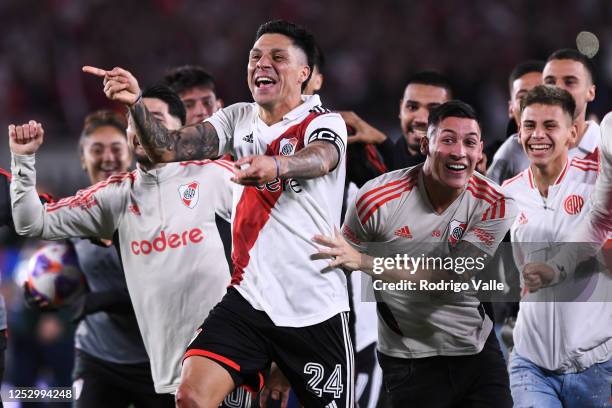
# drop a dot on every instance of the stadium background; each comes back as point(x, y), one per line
point(371, 48)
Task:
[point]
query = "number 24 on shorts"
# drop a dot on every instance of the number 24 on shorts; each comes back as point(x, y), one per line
point(333, 385)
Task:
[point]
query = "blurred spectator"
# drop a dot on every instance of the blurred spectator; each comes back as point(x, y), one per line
point(510, 158)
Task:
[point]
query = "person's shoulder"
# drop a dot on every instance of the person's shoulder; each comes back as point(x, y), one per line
point(221, 168)
point(508, 148)
point(485, 189)
point(113, 189)
point(236, 110)
point(391, 184)
point(583, 170)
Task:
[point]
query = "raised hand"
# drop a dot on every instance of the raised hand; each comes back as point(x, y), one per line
point(25, 139)
point(119, 85)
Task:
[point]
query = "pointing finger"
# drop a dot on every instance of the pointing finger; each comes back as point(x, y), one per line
point(94, 71)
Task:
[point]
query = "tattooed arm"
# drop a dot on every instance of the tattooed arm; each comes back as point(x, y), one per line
point(193, 142)
point(315, 160)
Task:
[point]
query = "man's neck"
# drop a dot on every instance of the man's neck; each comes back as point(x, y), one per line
point(545, 176)
point(148, 166)
point(581, 128)
point(440, 195)
point(274, 114)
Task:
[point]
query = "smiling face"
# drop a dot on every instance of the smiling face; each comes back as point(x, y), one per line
point(546, 133)
point(573, 77)
point(104, 153)
point(200, 103)
point(276, 70)
point(418, 101)
point(453, 149)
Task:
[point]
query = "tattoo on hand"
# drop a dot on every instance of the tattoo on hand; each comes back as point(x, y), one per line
point(193, 142)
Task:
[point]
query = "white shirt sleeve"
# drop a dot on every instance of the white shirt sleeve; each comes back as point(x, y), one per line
point(81, 215)
point(329, 127)
point(224, 121)
point(488, 233)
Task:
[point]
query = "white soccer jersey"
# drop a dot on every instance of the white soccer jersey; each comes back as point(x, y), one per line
point(559, 336)
point(274, 224)
point(171, 250)
point(393, 211)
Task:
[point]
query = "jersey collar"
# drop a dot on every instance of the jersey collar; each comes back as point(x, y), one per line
point(559, 179)
point(309, 102)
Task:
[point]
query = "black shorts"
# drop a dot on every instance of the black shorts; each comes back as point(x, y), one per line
point(317, 360)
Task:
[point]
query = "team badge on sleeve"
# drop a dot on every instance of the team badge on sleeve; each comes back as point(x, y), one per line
point(456, 230)
point(190, 194)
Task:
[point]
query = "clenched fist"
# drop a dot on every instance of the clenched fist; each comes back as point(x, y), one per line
point(25, 139)
point(119, 85)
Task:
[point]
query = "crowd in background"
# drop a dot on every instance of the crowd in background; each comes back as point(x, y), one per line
point(371, 48)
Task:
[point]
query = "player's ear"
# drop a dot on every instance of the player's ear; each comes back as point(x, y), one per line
point(425, 145)
point(591, 93)
point(573, 135)
point(304, 72)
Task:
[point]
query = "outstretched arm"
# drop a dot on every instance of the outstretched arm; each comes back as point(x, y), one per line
point(80, 215)
point(315, 160)
point(194, 142)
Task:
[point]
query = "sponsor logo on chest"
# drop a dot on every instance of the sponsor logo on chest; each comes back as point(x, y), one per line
point(189, 194)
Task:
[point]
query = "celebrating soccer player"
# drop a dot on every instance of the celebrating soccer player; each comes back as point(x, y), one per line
point(290, 154)
point(166, 219)
point(446, 344)
point(561, 347)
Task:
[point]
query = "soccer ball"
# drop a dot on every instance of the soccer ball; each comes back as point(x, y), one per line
point(54, 274)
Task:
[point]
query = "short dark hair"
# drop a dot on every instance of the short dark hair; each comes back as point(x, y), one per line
point(550, 95)
point(451, 109)
point(431, 78)
point(183, 78)
point(101, 118)
point(574, 55)
point(300, 37)
point(164, 93)
point(524, 68)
